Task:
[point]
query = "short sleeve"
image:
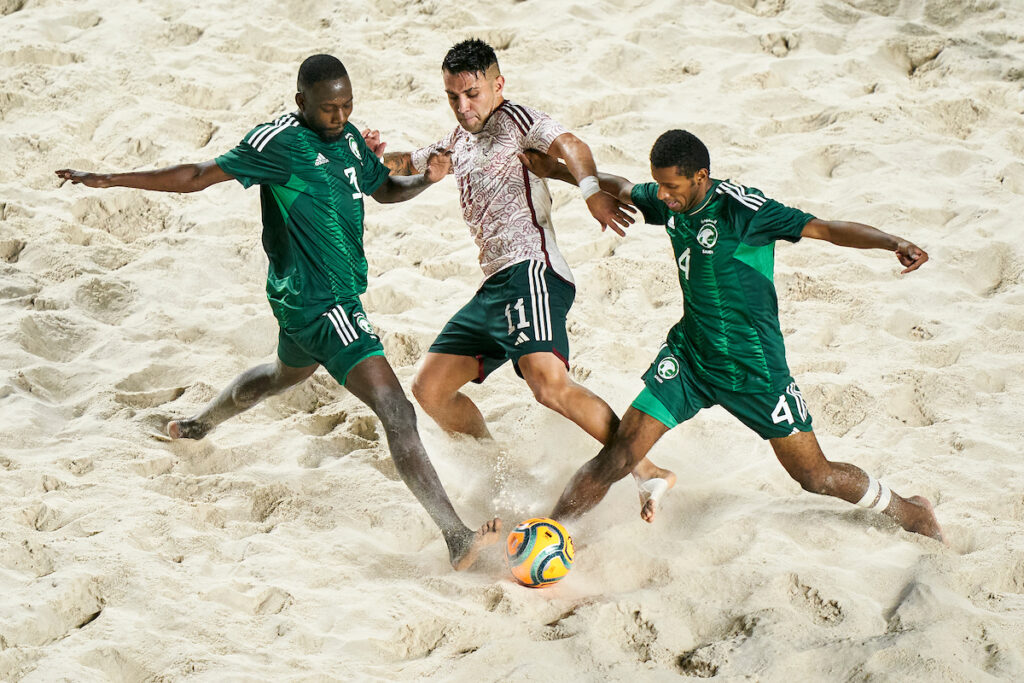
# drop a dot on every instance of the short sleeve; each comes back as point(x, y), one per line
point(373, 173)
point(420, 156)
point(251, 166)
point(542, 131)
point(774, 221)
point(645, 197)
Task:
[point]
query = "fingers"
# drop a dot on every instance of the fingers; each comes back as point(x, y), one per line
point(913, 259)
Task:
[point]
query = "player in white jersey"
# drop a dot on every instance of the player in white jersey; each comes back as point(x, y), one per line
point(519, 312)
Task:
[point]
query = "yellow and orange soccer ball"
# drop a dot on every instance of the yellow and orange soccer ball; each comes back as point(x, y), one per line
point(539, 552)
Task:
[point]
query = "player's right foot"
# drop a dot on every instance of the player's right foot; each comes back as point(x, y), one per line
point(188, 429)
point(921, 518)
point(463, 552)
point(652, 489)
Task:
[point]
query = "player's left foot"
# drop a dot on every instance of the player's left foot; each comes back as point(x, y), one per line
point(464, 551)
point(921, 518)
point(187, 429)
point(652, 490)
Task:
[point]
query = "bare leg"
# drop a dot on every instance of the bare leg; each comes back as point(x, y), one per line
point(802, 457)
point(436, 389)
point(245, 391)
point(631, 442)
point(551, 386)
point(374, 382)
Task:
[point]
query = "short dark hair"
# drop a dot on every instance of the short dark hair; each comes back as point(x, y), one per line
point(682, 149)
point(469, 56)
point(320, 68)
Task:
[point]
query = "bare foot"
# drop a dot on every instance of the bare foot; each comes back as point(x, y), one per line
point(188, 429)
point(463, 552)
point(920, 518)
point(652, 490)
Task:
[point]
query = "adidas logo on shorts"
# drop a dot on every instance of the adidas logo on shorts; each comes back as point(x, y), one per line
point(320, 160)
point(522, 338)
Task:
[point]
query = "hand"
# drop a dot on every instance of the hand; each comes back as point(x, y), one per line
point(87, 179)
point(538, 163)
point(610, 212)
point(910, 255)
point(439, 164)
point(372, 140)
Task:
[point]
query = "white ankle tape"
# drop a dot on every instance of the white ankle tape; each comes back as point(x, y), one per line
point(877, 497)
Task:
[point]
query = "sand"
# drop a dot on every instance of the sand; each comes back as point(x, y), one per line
point(284, 547)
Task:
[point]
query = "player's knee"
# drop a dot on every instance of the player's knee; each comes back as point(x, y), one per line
point(424, 392)
point(549, 392)
point(812, 479)
point(395, 411)
point(614, 462)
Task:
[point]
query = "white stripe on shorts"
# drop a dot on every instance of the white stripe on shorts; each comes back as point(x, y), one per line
point(347, 324)
point(541, 301)
point(337, 328)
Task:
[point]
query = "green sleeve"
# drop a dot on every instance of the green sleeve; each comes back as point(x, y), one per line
point(645, 197)
point(775, 221)
point(251, 167)
point(372, 173)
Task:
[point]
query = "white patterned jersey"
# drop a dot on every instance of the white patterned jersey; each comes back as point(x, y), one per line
point(507, 208)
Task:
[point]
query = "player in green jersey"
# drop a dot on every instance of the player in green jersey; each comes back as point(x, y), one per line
point(314, 170)
point(728, 348)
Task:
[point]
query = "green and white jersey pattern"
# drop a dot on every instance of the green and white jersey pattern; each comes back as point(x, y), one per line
point(725, 254)
point(311, 196)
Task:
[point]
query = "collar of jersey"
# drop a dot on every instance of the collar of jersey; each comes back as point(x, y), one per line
point(707, 198)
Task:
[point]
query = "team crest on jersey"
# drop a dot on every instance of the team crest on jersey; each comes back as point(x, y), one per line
point(364, 324)
point(668, 367)
point(707, 235)
point(353, 146)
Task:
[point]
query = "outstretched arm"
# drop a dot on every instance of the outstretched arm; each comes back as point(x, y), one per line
point(546, 166)
point(860, 236)
point(580, 163)
point(183, 178)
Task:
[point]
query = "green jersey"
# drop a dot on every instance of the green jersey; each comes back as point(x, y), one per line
point(725, 253)
point(311, 197)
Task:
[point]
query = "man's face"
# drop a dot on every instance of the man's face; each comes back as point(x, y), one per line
point(474, 96)
point(680, 192)
point(326, 106)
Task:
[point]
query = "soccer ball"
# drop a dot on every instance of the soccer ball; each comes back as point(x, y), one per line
point(539, 552)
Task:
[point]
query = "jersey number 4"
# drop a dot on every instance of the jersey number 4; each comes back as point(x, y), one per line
point(352, 178)
point(782, 413)
point(684, 263)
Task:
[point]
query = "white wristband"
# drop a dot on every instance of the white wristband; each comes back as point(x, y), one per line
point(589, 187)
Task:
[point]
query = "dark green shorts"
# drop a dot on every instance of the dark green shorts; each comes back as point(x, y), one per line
point(339, 340)
point(518, 310)
point(673, 394)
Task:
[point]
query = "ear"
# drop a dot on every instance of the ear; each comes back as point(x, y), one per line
point(499, 84)
point(300, 100)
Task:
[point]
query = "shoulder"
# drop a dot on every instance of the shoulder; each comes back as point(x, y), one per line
point(520, 116)
point(740, 196)
point(273, 134)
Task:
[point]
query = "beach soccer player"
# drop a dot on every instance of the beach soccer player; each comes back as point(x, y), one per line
point(728, 348)
point(519, 311)
point(314, 171)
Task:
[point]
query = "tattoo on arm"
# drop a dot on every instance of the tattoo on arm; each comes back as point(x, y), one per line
point(399, 163)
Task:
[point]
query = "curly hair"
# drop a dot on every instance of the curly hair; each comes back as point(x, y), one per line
point(681, 149)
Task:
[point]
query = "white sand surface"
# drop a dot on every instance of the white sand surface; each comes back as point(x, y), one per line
point(284, 547)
